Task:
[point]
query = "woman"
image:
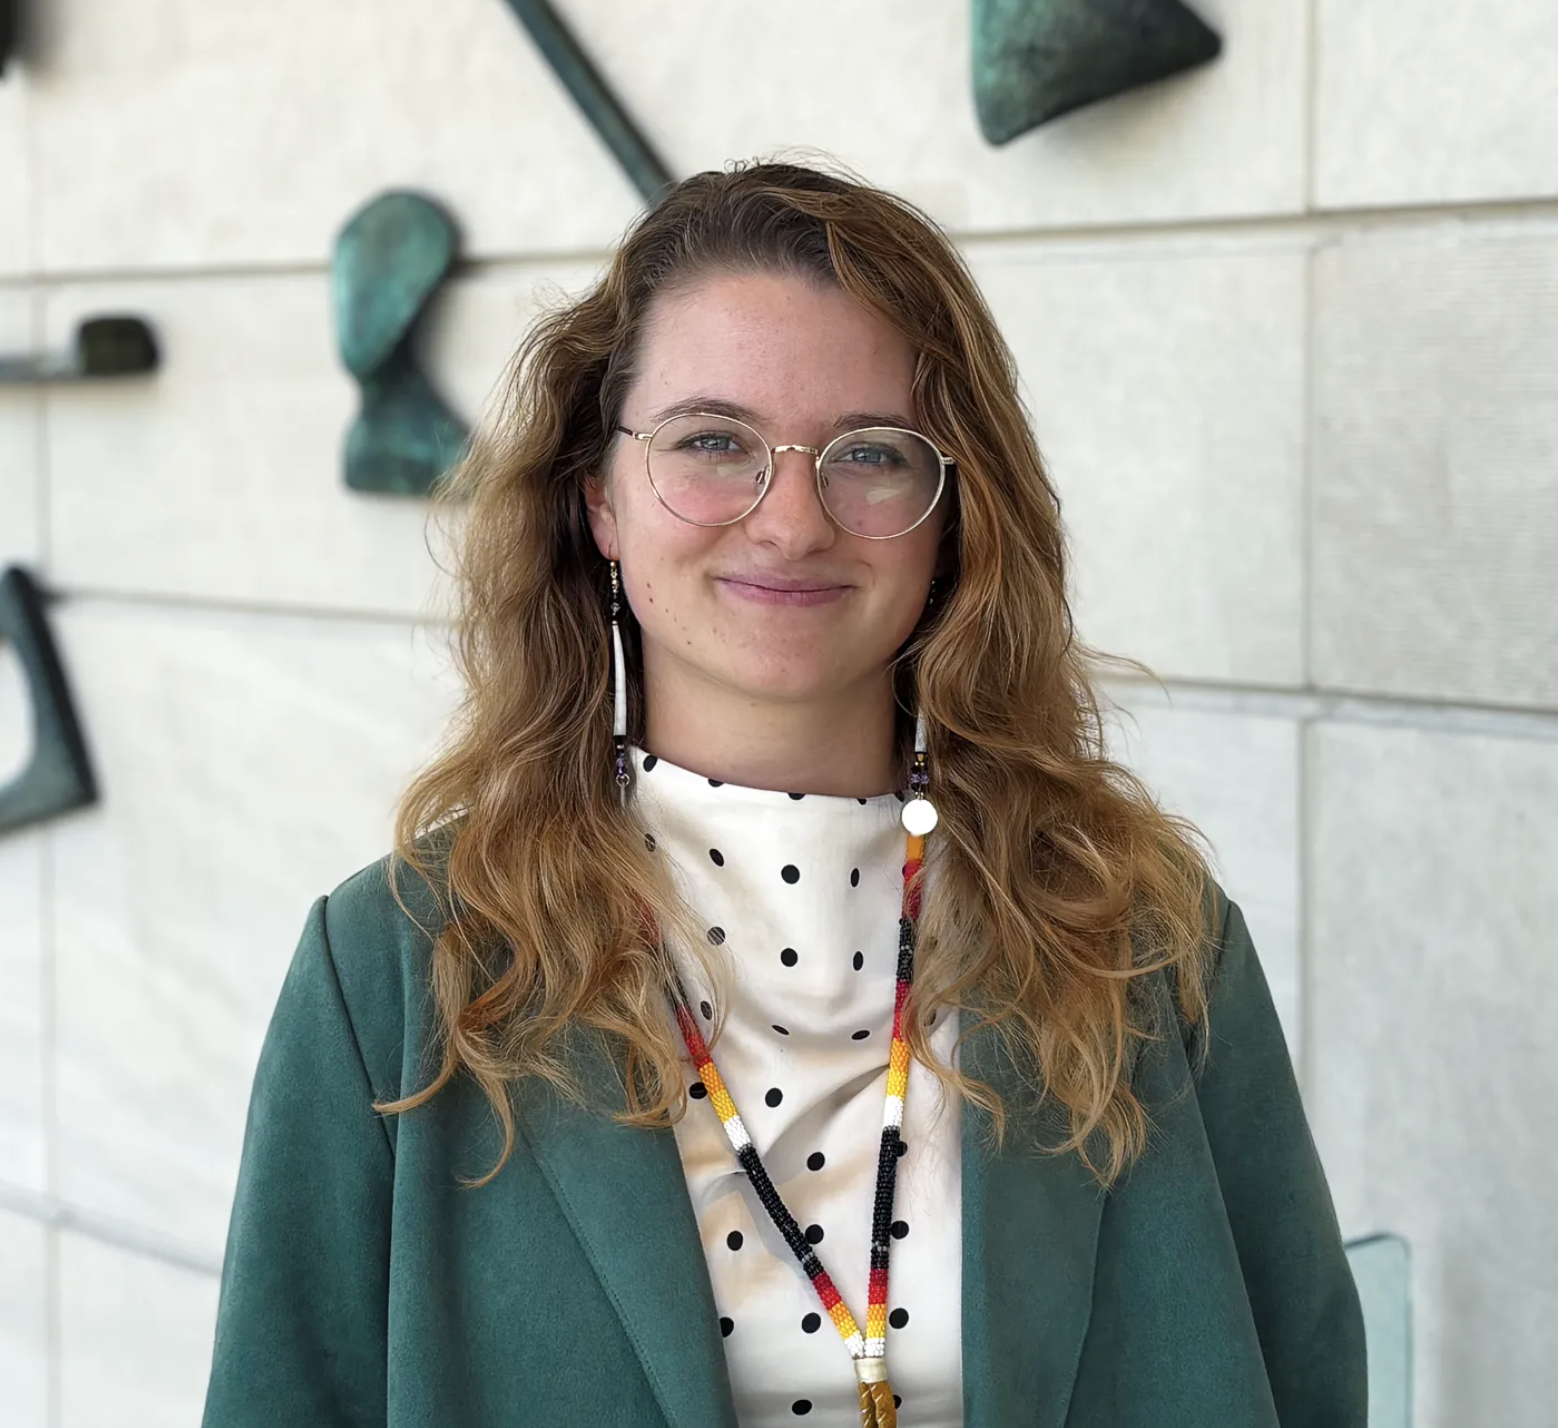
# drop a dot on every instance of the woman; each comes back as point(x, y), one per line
point(773, 972)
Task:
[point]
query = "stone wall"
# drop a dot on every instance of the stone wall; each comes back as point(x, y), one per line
point(1289, 332)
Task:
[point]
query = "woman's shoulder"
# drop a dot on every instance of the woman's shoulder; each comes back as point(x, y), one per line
point(1221, 955)
point(387, 903)
point(378, 927)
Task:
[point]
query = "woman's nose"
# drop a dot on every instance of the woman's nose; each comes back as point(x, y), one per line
point(791, 511)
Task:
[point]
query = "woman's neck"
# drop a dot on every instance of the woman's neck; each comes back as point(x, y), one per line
point(840, 746)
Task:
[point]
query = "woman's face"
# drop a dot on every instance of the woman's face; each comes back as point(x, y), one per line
point(803, 363)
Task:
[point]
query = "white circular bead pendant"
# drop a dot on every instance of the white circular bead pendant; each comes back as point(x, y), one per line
point(919, 816)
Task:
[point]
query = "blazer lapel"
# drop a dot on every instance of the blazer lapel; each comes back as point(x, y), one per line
point(1030, 1241)
point(623, 1191)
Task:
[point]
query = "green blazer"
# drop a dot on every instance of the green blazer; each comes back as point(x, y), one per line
point(363, 1287)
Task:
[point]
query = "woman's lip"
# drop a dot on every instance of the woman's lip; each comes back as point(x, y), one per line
point(767, 595)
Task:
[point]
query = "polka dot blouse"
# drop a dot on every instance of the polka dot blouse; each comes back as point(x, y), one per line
point(802, 893)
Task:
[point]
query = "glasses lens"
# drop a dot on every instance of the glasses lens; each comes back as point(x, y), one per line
point(880, 481)
point(708, 469)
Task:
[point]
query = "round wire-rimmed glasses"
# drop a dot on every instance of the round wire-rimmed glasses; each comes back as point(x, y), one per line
point(877, 482)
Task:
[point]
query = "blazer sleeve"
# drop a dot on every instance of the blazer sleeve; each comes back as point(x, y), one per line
point(302, 1315)
point(1301, 1290)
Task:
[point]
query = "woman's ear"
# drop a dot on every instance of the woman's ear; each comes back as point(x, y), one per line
point(602, 515)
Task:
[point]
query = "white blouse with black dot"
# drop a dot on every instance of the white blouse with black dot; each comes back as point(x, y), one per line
point(803, 895)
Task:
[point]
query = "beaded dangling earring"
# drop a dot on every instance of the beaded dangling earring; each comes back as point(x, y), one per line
point(619, 685)
point(919, 813)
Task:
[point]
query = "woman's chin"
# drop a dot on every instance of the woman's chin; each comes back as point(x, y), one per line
point(799, 683)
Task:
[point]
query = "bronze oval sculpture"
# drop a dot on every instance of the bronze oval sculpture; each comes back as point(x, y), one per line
point(390, 258)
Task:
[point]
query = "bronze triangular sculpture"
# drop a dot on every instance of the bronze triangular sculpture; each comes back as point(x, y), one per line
point(58, 776)
point(1035, 60)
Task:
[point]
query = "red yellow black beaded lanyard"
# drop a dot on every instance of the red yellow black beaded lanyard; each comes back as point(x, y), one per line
point(869, 1350)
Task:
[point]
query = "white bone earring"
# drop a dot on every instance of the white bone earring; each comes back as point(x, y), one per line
point(619, 685)
point(919, 814)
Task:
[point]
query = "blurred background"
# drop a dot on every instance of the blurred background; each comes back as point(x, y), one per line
point(1288, 326)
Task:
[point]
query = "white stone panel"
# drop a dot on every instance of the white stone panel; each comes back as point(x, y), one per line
point(225, 133)
point(249, 763)
point(22, 1053)
point(21, 532)
point(1435, 466)
point(1441, 103)
point(221, 476)
point(1432, 988)
point(206, 122)
point(135, 1338)
point(22, 1160)
point(16, 721)
point(21, 935)
point(1234, 773)
point(1166, 389)
point(886, 88)
point(15, 172)
point(24, 1341)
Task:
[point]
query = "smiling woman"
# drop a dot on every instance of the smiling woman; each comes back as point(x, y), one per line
point(773, 947)
point(765, 625)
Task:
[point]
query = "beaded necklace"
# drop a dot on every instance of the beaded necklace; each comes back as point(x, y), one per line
point(869, 1350)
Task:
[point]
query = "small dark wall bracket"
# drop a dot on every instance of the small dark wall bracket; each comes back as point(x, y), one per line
point(58, 777)
point(101, 347)
point(8, 28)
point(1034, 60)
point(594, 97)
point(390, 258)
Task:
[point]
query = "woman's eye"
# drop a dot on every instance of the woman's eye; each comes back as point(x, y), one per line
point(872, 456)
point(716, 443)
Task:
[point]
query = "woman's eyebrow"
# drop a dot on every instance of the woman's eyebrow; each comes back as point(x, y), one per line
point(720, 406)
point(714, 406)
point(853, 421)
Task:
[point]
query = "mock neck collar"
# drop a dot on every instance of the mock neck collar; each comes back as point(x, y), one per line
point(692, 817)
point(686, 785)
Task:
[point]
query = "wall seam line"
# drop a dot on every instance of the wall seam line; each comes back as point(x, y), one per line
point(58, 1216)
point(1385, 220)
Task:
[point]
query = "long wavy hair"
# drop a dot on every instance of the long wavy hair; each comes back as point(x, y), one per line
point(1059, 883)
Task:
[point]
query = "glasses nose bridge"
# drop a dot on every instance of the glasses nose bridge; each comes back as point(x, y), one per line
point(773, 456)
point(812, 451)
point(816, 472)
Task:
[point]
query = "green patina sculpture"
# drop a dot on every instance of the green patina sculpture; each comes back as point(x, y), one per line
point(596, 99)
point(58, 776)
point(1035, 60)
point(389, 260)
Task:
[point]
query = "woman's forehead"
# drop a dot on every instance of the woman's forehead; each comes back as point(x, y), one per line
point(773, 345)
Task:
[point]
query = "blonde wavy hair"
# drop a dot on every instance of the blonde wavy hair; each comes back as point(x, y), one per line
point(1060, 883)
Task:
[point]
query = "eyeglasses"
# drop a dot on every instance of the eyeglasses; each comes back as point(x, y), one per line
point(709, 470)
